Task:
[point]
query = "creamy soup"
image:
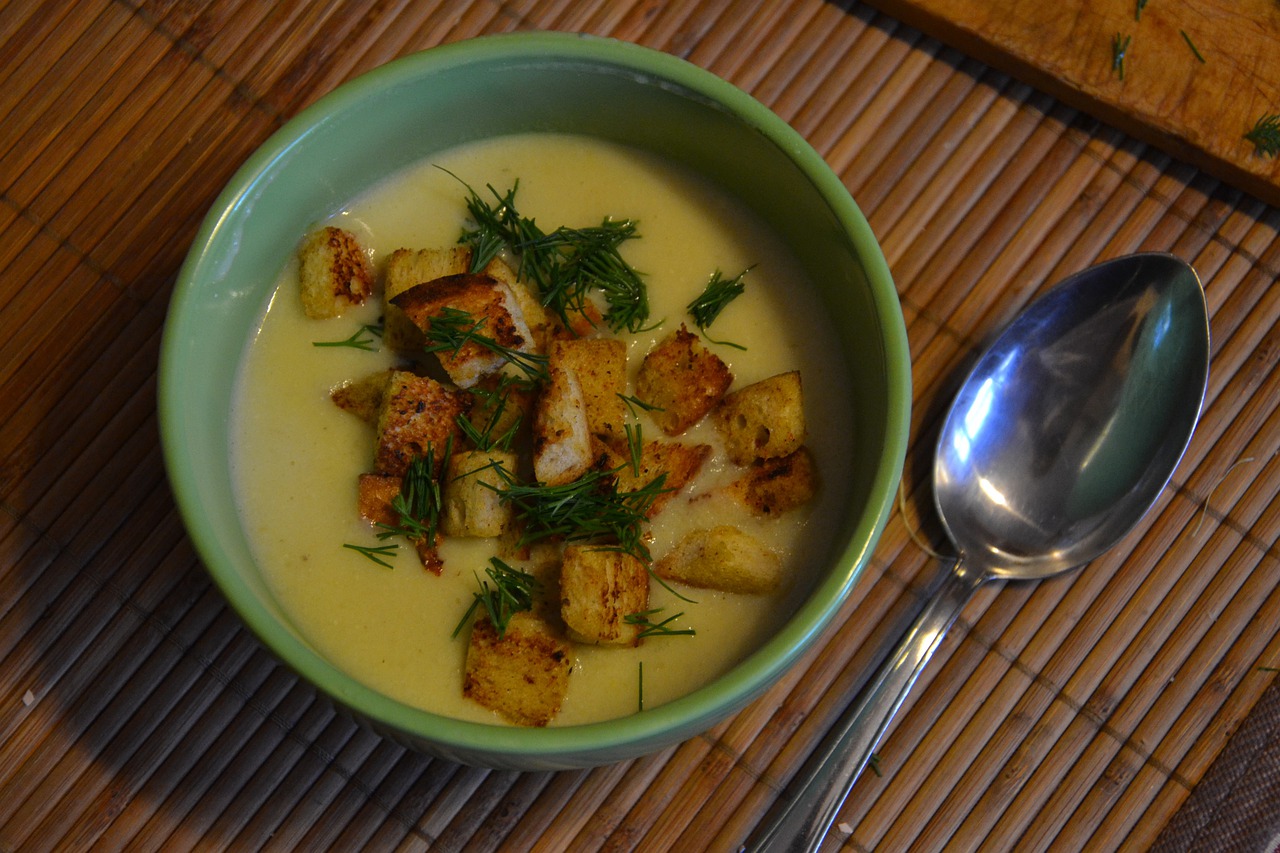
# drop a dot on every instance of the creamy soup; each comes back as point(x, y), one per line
point(297, 456)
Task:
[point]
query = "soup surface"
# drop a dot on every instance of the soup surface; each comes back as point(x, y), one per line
point(297, 456)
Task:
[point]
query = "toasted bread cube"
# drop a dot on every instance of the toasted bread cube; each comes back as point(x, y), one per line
point(334, 272)
point(683, 379)
point(598, 590)
point(771, 487)
point(362, 397)
point(582, 323)
point(523, 675)
point(472, 504)
point(764, 420)
point(407, 268)
point(723, 558)
point(562, 449)
point(376, 493)
point(417, 413)
point(600, 365)
point(680, 463)
point(483, 300)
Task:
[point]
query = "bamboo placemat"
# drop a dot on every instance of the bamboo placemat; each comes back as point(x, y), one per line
point(136, 712)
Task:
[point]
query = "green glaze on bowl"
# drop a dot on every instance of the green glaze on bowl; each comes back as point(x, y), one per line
point(406, 111)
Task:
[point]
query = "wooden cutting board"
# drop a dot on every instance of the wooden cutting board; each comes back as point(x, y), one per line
point(1197, 103)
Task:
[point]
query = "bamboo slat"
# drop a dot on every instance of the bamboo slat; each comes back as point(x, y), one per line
point(136, 712)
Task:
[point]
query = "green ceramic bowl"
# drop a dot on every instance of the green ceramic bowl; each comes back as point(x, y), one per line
point(419, 105)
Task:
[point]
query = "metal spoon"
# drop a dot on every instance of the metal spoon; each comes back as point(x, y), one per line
point(1061, 438)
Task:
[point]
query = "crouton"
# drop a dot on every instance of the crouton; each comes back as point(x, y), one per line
point(562, 450)
point(334, 273)
point(598, 590)
point(472, 504)
point(683, 379)
point(722, 558)
point(600, 365)
point(362, 397)
point(679, 462)
point(522, 675)
point(376, 494)
point(417, 414)
point(407, 268)
point(582, 322)
point(483, 301)
point(773, 486)
point(763, 420)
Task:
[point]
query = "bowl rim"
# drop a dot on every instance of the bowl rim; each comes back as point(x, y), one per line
point(589, 743)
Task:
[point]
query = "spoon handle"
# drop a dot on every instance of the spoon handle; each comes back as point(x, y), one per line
point(823, 783)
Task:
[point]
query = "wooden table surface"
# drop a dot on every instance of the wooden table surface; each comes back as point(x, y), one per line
point(1128, 704)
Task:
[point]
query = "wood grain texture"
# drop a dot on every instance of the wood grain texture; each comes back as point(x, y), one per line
point(1197, 74)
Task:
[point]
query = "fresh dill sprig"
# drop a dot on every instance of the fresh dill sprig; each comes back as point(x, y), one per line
point(635, 446)
point(564, 265)
point(635, 405)
point(357, 340)
point(512, 592)
point(1265, 136)
point(649, 628)
point(1137, 9)
point(375, 554)
point(420, 501)
point(494, 403)
point(454, 328)
point(1195, 52)
point(1119, 46)
point(718, 293)
point(591, 507)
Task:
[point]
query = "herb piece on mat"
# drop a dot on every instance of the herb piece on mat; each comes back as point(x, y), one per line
point(1191, 45)
point(1265, 136)
point(1119, 47)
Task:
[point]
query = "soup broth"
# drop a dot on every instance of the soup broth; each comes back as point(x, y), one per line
point(297, 456)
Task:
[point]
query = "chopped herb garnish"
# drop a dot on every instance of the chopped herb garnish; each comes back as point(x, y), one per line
point(1191, 45)
point(511, 593)
point(718, 293)
point(420, 501)
point(375, 554)
point(590, 507)
point(565, 265)
point(636, 405)
point(1119, 46)
point(357, 340)
point(873, 761)
point(1137, 10)
point(649, 628)
point(494, 402)
point(453, 328)
point(1265, 136)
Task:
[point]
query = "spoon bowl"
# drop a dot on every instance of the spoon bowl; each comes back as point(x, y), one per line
point(1060, 439)
point(1072, 421)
